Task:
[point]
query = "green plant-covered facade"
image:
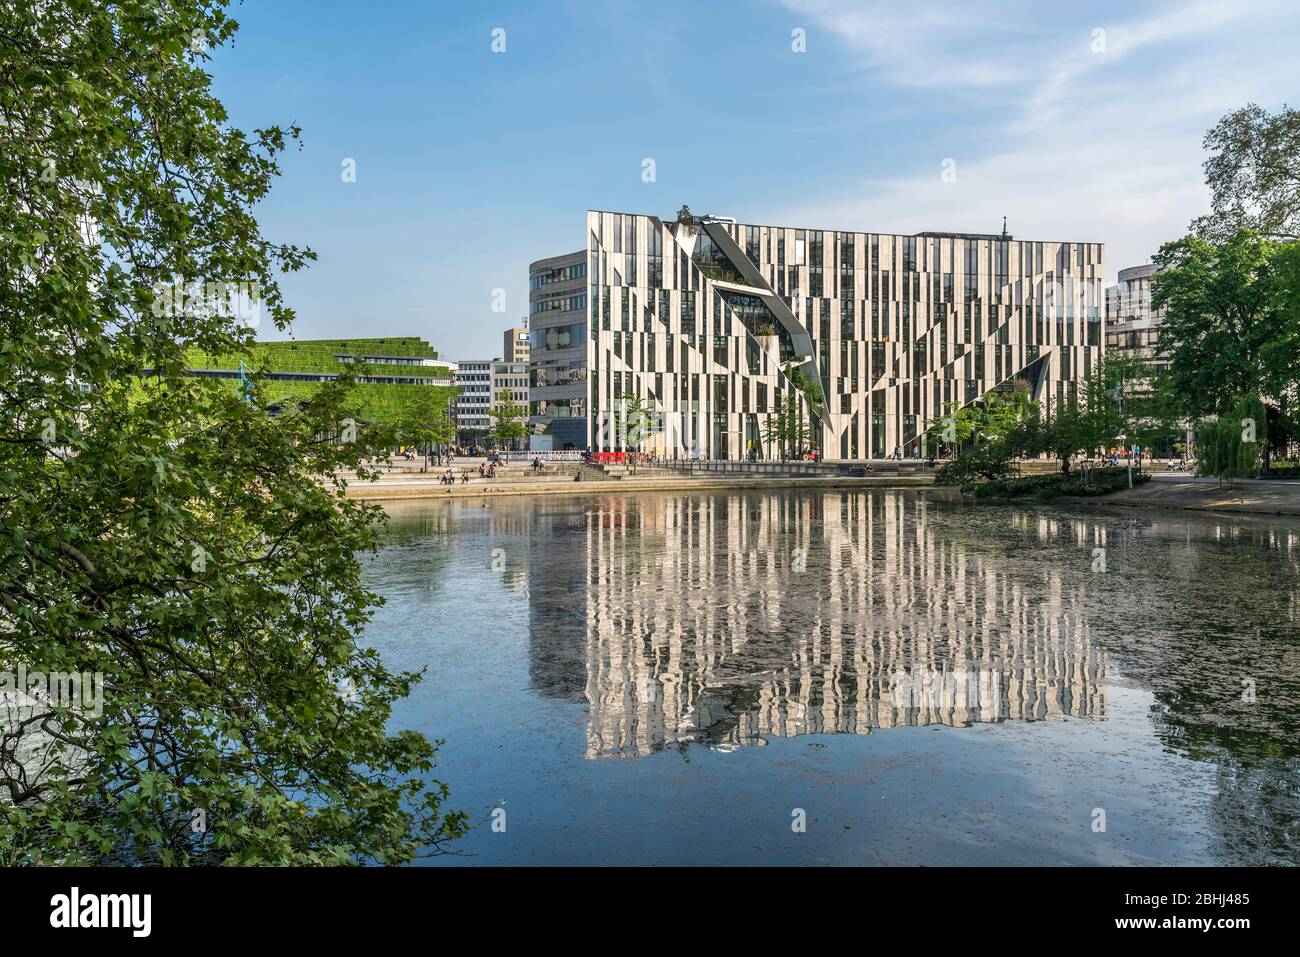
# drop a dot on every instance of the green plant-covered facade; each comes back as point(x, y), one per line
point(390, 372)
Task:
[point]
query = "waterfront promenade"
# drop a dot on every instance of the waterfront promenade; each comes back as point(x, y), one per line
point(1246, 496)
point(1165, 490)
point(406, 481)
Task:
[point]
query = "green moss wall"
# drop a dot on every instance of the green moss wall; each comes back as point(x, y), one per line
point(378, 402)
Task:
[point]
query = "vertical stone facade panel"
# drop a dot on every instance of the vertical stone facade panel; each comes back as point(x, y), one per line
point(695, 333)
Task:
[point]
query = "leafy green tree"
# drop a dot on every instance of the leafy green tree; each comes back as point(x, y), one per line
point(800, 429)
point(509, 420)
point(1070, 429)
point(787, 429)
point(796, 433)
point(991, 418)
point(1254, 175)
point(1098, 415)
point(426, 421)
point(192, 553)
point(1217, 300)
point(443, 434)
point(1253, 347)
point(773, 430)
point(1152, 410)
point(635, 423)
point(987, 461)
point(1280, 354)
point(1232, 324)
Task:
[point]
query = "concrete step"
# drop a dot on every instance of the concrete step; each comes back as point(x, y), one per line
point(598, 473)
point(517, 477)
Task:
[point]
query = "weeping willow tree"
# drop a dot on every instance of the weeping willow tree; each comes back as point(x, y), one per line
point(1231, 446)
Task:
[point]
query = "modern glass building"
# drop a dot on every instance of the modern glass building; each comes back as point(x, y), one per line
point(1132, 325)
point(718, 328)
point(559, 354)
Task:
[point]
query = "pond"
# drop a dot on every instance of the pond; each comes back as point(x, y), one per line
point(849, 677)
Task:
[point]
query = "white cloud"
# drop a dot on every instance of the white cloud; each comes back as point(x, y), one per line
point(913, 46)
point(1107, 45)
point(1090, 146)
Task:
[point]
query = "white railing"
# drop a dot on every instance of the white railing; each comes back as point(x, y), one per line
point(566, 455)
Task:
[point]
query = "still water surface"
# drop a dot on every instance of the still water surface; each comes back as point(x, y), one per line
point(673, 678)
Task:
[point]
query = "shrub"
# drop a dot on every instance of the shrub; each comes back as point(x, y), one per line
point(1046, 487)
point(1283, 470)
point(983, 462)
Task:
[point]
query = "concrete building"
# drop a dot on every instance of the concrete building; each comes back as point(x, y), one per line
point(511, 377)
point(474, 380)
point(873, 337)
point(1133, 327)
point(482, 382)
point(514, 345)
point(1131, 324)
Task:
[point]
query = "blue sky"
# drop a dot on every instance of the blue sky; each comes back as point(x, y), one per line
point(470, 164)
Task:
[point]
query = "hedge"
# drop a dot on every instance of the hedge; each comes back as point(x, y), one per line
point(1098, 482)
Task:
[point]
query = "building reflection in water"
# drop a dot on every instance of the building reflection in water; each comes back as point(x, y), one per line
point(727, 619)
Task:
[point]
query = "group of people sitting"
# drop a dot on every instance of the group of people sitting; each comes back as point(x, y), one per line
point(486, 470)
